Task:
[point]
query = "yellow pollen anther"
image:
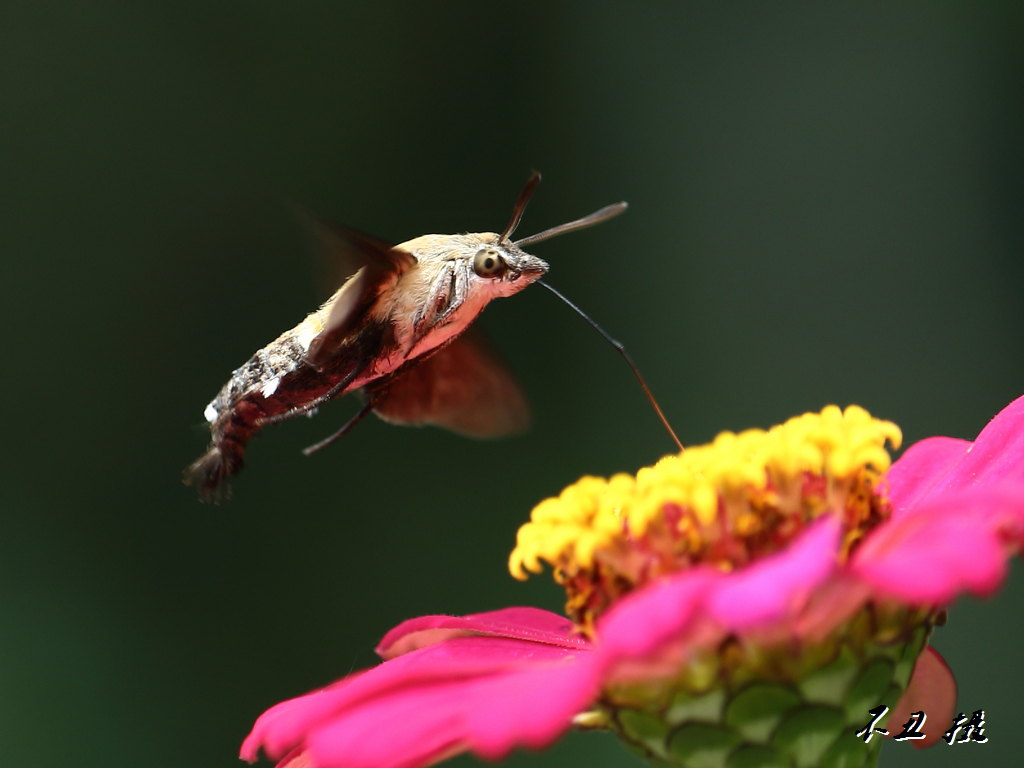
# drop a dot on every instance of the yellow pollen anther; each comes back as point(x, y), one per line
point(725, 503)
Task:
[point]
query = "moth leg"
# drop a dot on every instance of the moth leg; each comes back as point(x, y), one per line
point(457, 292)
point(317, 402)
point(440, 298)
point(360, 415)
point(449, 293)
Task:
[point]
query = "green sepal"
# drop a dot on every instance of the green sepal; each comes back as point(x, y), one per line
point(757, 710)
point(807, 734)
point(758, 757)
point(905, 666)
point(868, 689)
point(829, 684)
point(698, 745)
point(846, 752)
point(706, 707)
point(645, 729)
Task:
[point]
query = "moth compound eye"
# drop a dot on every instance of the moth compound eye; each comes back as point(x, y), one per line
point(488, 263)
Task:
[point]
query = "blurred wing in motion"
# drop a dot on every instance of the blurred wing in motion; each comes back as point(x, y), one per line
point(372, 263)
point(464, 388)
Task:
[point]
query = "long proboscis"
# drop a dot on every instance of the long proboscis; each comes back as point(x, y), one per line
point(608, 212)
point(614, 343)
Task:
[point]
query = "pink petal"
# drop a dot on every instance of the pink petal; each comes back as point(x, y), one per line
point(521, 623)
point(663, 611)
point(956, 542)
point(922, 469)
point(428, 692)
point(932, 690)
point(941, 465)
point(832, 603)
point(488, 716)
point(644, 620)
point(780, 584)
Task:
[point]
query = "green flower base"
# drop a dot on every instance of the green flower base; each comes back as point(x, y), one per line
point(748, 707)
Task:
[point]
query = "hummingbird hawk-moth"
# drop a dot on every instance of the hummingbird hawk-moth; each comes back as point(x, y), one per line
point(396, 333)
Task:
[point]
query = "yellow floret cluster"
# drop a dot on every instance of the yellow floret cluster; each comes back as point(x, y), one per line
point(732, 476)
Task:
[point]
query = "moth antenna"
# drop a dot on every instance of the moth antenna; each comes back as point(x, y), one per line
point(609, 211)
point(517, 212)
point(622, 351)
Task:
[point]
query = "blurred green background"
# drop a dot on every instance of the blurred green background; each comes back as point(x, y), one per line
point(826, 206)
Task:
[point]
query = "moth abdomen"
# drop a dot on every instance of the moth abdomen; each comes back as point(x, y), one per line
point(274, 384)
point(209, 473)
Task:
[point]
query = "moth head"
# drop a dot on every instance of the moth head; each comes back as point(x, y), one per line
point(503, 255)
point(458, 274)
point(501, 267)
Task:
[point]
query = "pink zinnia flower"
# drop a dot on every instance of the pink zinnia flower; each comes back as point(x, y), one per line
point(743, 603)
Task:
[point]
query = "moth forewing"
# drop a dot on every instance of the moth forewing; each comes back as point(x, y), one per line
point(378, 266)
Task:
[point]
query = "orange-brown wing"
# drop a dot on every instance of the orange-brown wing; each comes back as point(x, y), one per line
point(464, 388)
point(376, 261)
